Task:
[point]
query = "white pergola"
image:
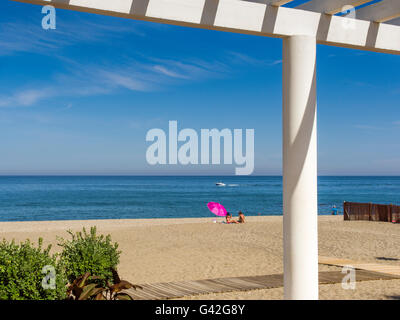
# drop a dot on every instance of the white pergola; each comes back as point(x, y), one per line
point(374, 28)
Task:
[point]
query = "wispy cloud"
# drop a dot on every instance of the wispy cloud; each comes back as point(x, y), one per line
point(390, 161)
point(147, 123)
point(68, 106)
point(140, 74)
point(28, 36)
point(25, 97)
point(241, 58)
point(165, 71)
point(368, 127)
point(360, 84)
point(115, 79)
point(92, 80)
point(151, 74)
point(372, 127)
point(194, 69)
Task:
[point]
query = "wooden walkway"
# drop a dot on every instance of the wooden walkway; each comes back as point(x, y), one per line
point(375, 267)
point(172, 290)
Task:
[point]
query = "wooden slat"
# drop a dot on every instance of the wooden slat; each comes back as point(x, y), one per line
point(215, 286)
point(140, 294)
point(157, 292)
point(174, 291)
point(195, 285)
point(182, 289)
point(373, 267)
point(380, 12)
point(162, 290)
point(330, 6)
point(171, 290)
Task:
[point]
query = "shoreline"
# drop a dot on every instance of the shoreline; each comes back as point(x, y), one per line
point(37, 225)
point(52, 225)
point(109, 224)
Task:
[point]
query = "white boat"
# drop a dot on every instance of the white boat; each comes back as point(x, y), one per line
point(220, 184)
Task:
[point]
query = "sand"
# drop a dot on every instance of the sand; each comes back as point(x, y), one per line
point(162, 250)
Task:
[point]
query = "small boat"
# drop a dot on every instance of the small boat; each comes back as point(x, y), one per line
point(220, 184)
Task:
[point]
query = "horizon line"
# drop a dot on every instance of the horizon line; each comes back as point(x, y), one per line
point(187, 175)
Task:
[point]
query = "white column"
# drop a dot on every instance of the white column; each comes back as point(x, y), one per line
point(300, 211)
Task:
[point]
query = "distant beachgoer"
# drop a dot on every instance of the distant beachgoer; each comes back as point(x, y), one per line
point(241, 217)
point(334, 211)
point(229, 218)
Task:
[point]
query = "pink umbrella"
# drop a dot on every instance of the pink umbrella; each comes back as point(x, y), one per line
point(217, 208)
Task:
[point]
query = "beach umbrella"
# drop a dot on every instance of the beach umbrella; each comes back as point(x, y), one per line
point(217, 208)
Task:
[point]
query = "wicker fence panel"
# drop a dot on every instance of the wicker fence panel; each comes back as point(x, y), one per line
point(371, 212)
point(395, 213)
point(381, 212)
point(356, 211)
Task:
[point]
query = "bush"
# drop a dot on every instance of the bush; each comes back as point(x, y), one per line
point(21, 274)
point(87, 252)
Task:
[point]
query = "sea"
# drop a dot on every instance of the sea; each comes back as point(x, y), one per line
point(41, 198)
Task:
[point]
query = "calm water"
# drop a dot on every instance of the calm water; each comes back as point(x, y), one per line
point(62, 198)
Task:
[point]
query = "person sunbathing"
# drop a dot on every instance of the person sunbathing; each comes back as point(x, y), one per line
point(241, 217)
point(229, 219)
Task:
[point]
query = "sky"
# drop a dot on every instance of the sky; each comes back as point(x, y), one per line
point(80, 99)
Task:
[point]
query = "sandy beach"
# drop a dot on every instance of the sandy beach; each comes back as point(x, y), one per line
point(162, 250)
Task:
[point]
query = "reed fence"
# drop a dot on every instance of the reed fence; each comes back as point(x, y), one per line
point(371, 212)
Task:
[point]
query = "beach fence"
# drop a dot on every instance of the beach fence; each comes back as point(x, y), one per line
point(371, 212)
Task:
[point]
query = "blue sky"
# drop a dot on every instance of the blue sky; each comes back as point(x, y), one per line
point(80, 99)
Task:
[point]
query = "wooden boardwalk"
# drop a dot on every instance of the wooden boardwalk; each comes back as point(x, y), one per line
point(179, 289)
point(375, 267)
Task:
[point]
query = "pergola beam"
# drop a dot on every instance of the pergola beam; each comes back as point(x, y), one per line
point(395, 22)
point(280, 3)
point(330, 6)
point(275, 3)
point(380, 12)
point(247, 18)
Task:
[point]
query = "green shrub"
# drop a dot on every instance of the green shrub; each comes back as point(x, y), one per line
point(21, 274)
point(87, 252)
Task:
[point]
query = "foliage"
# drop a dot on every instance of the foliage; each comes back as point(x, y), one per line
point(89, 253)
point(82, 288)
point(21, 273)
